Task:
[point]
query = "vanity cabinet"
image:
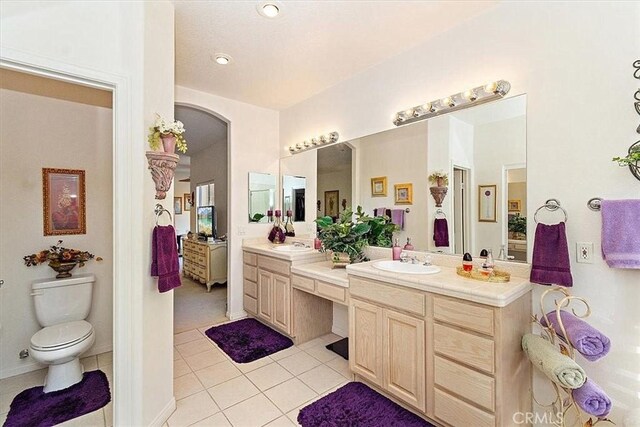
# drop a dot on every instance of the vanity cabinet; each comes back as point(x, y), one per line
point(205, 262)
point(458, 362)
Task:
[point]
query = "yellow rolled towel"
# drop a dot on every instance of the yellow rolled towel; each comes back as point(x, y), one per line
point(560, 369)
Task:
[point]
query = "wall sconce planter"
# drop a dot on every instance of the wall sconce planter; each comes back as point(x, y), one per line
point(438, 193)
point(327, 139)
point(162, 166)
point(458, 101)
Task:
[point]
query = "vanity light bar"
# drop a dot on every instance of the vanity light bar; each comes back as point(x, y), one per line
point(329, 138)
point(468, 98)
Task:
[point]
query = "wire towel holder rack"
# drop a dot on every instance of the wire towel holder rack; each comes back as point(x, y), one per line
point(159, 210)
point(551, 205)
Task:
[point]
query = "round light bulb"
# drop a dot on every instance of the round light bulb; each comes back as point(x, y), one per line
point(470, 95)
point(291, 149)
point(491, 87)
point(270, 10)
point(447, 102)
point(428, 107)
point(223, 59)
point(306, 143)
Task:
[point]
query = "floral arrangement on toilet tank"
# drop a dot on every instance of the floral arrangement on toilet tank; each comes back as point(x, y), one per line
point(62, 260)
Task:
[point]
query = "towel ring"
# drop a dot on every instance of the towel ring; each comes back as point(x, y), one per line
point(551, 205)
point(159, 210)
point(440, 212)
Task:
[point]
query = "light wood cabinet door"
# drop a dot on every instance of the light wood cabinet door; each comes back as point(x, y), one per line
point(265, 301)
point(282, 302)
point(404, 357)
point(365, 343)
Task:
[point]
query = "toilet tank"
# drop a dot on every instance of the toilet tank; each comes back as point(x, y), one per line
point(62, 300)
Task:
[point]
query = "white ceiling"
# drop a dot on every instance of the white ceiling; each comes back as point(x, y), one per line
point(309, 47)
point(334, 158)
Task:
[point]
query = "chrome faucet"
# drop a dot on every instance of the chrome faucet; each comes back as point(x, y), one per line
point(427, 261)
point(414, 260)
point(298, 244)
point(404, 257)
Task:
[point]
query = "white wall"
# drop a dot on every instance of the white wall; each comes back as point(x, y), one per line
point(109, 42)
point(31, 124)
point(210, 165)
point(556, 53)
point(181, 222)
point(253, 147)
point(335, 179)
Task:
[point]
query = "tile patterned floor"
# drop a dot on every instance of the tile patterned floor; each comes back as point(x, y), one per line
point(212, 390)
point(10, 387)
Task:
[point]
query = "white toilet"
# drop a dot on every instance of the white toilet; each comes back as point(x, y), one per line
point(61, 307)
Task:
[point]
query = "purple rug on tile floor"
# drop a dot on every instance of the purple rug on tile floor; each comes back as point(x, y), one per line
point(35, 408)
point(247, 340)
point(355, 404)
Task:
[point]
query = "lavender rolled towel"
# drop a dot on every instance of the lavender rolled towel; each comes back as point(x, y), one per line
point(441, 232)
point(621, 233)
point(379, 212)
point(164, 258)
point(589, 342)
point(559, 368)
point(551, 256)
point(592, 399)
point(397, 217)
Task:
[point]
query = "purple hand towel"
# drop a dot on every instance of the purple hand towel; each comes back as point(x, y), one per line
point(550, 264)
point(164, 258)
point(397, 217)
point(589, 342)
point(621, 233)
point(592, 399)
point(441, 232)
point(379, 211)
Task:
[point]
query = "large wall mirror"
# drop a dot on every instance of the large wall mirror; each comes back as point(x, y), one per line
point(483, 152)
point(262, 196)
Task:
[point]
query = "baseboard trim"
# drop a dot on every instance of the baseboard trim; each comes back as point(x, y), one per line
point(235, 316)
point(164, 415)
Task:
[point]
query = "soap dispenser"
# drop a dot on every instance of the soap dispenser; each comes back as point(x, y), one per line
point(408, 246)
point(396, 250)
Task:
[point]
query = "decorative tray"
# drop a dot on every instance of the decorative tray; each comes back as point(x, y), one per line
point(496, 276)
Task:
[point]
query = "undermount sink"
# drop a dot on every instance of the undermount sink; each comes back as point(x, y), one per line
point(291, 248)
point(406, 267)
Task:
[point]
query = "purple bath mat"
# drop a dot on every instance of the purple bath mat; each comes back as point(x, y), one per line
point(247, 340)
point(34, 408)
point(355, 404)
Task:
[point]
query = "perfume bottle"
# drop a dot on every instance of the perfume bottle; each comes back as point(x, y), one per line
point(488, 263)
point(288, 226)
point(277, 234)
point(408, 246)
point(396, 250)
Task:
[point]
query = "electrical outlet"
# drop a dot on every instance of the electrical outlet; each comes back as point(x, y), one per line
point(584, 252)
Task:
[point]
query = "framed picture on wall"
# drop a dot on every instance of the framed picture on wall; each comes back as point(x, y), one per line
point(379, 186)
point(487, 203)
point(187, 201)
point(177, 205)
point(331, 203)
point(514, 205)
point(403, 194)
point(63, 194)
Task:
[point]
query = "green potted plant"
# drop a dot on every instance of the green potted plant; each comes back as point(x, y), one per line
point(439, 180)
point(632, 159)
point(381, 229)
point(518, 227)
point(170, 134)
point(345, 238)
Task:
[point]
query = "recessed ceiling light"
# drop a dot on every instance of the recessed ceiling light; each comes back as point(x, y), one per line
point(269, 9)
point(222, 58)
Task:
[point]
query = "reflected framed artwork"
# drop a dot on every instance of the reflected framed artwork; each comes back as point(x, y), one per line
point(331, 203)
point(63, 194)
point(177, 205)
point(187, 201)
point(514, 205)
point(379, 186)
point(487, 203)
point(403, 194)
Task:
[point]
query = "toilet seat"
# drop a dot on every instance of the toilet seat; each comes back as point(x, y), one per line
point(61, 336)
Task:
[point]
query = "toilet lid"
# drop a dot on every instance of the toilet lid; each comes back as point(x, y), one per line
point(62, 334)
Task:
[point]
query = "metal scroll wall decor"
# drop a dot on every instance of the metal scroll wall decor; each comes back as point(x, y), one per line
point(635, 168)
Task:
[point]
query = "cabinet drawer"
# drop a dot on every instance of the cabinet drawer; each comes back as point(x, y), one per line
point(465, 382)
point(469, 316)
point(201, 260)
point(275, 265)
point(469, 349)
point(303, 283)
point(458, 413)
point(249, 258)
point(251, 288)
point(250, 304)
point(403, 299)
point(201, 249)
point(333, 292)
point(250, 273)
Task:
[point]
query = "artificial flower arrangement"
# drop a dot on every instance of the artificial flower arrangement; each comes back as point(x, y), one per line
point(163, 127)
point(58, 256)
point(439, 178)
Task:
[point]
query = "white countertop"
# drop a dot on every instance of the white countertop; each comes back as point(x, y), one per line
point(267, 249)
point(447, 282)
point(323, 271)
